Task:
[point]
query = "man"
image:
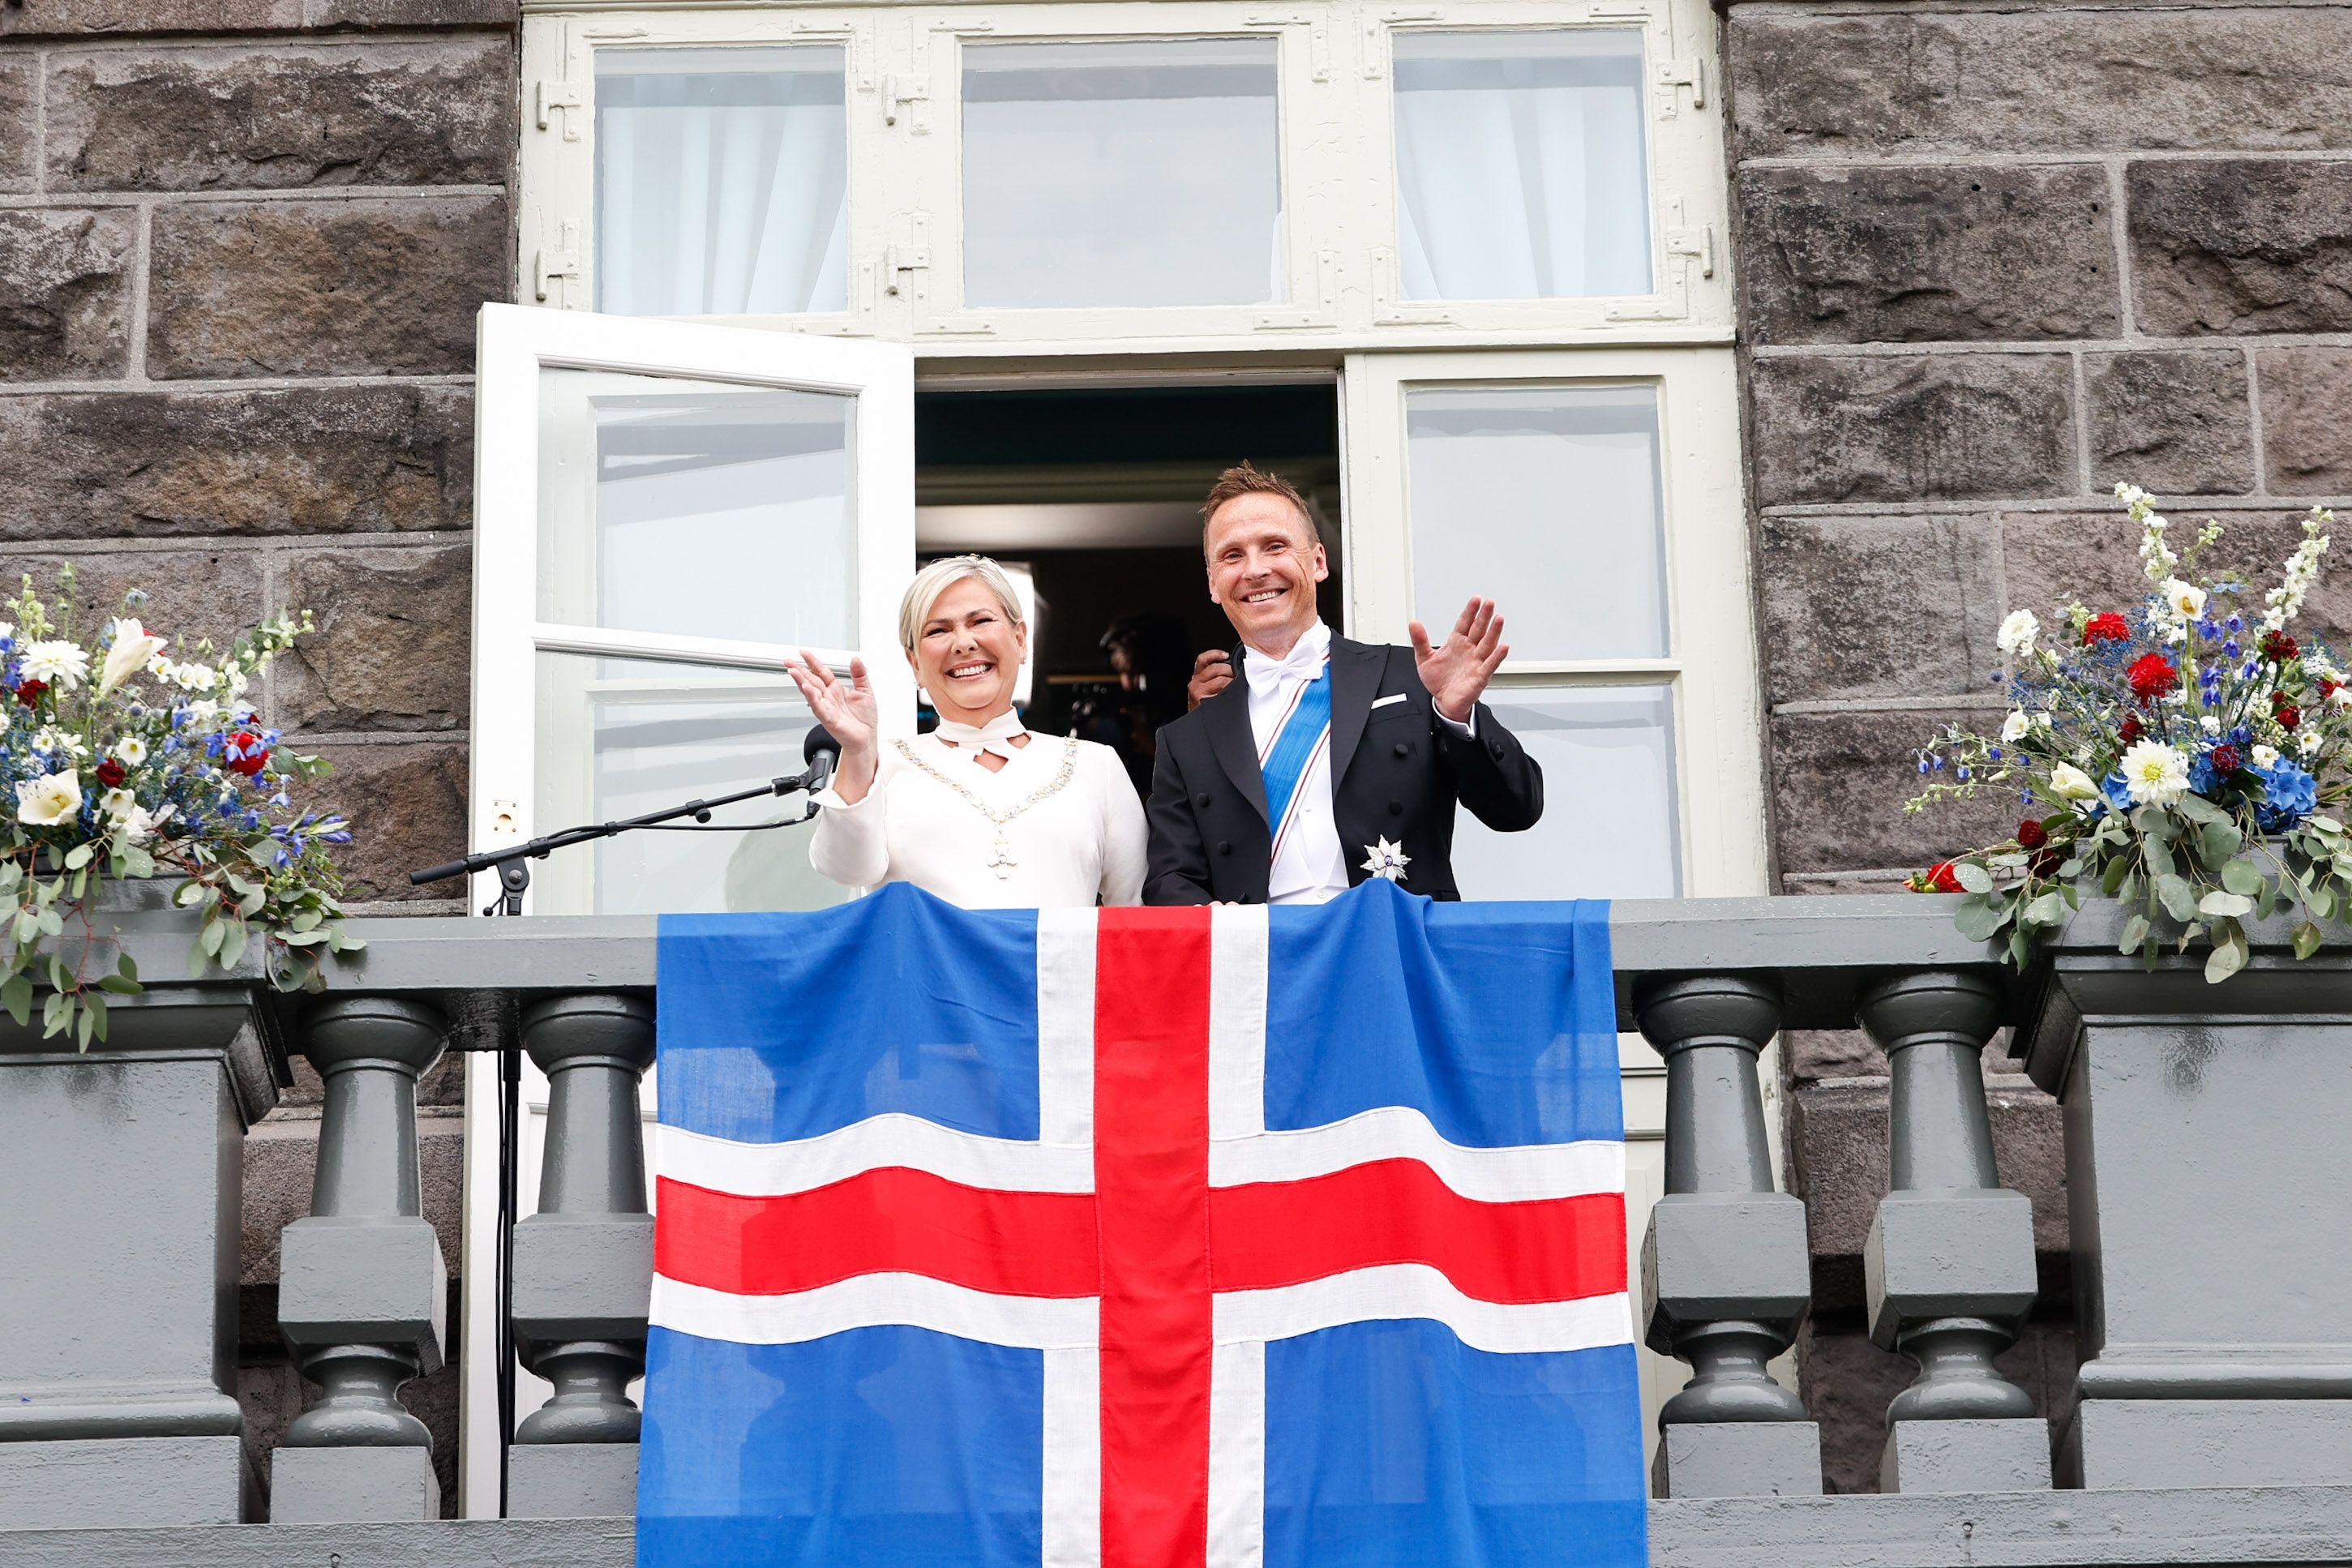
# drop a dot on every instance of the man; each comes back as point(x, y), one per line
point(1323, 761)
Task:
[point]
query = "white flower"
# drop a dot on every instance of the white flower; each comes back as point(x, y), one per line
point(2013, 728)
point(2265, 756)
point(118, 803)
point(2154, 774)
point(139, 824)
point(196, 676)
point(2043, 722)
point(133, 647)
point(131, 749)
point(58, 742)
point(2184, 599)
point(2308, 742)
point(236, 681)
point(50, 799)
point(2211, 724)
point(8, 630)
point(57, 663)
point(2068, 782)
point(204, 711)
point(160, 665)
point(2018, 632)
point(2341, 697)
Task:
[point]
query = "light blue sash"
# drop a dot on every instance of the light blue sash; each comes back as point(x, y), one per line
point(1302, 735)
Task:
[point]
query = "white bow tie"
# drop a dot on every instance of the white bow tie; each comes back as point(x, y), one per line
point(995, 736)
point(1304, 662)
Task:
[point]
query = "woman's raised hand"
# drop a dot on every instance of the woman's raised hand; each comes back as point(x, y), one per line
point(844, 707)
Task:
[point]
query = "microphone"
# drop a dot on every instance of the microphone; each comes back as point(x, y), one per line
point(821, 753)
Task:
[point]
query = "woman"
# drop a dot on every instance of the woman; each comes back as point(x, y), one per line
point(980, 811)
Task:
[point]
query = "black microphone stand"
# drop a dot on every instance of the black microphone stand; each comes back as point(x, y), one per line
point(513, 866)
point(514, 870)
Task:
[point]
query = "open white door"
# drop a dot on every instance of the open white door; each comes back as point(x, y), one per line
point(664, 513)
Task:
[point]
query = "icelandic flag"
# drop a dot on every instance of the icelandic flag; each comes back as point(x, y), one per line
point(1146, 1238)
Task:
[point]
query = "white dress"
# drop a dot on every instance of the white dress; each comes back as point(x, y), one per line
point(1080, 839)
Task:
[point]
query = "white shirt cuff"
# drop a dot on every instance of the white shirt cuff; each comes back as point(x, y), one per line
point(1468, 730)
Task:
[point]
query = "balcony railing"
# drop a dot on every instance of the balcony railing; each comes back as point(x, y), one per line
point(2206, 1132)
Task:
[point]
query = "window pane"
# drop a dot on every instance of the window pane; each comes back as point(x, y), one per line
point(1609, 827)
point(623, 737)
point(1544, 487)
point(1121, 174)
point(1520, 172)
point(696, 508)
point(722, 181)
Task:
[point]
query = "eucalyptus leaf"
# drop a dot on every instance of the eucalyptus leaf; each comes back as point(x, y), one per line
point(2322, 824)
point(2266, 900)
point(2224, 903)
point(1980, 923)
point(190, 894)
point(2197, 808)
point(2307, 940)
point(216, 932)
point(2049, 909)
point(2228, 954)
point(2134, 933)
point(2322, 902)
point(2111, 879)
point(2179, 899)
point(96, 1015)
point(119, 985)
point(129, 967)
point(2240, 876)
point(138, 862)
point(233, 946)
point(83, 1024)
point(77, 857)
point(16, 995)
point(1973, 878)
point(2221, 841)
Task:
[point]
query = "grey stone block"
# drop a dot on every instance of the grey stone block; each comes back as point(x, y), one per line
point(1871, 606)
point(363, 1282)
point(2220, 246)
point(2036, 79)
point(2147, 1443)
point(2177, 422)
point(1980, 1455)
point(275, 116)
point(582, 1277)
point(414, 12)
point(305, 460)
point(1739, 1458)
point(1838, 790)
point(322, 1486)
point(572, 1480)
point(65, 292)
point(1853, 254)
point(385, 285)
point(391, 652)
point(415, 796)
point(1906, 427)
point(1713, 1256)
point(74, 18)
point(2306, 440)
point(1965, 1253)
point(19, 113)
point(123, 1482)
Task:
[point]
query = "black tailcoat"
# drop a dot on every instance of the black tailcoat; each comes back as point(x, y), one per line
point(1396, 769)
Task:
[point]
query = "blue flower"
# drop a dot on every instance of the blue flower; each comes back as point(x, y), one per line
point(2116, 791)
point(2289, 794)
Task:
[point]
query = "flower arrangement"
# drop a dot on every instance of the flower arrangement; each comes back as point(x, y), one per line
point(2181, 755)
point(118, 759)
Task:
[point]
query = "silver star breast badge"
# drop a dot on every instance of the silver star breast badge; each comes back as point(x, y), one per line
point(1386, 859)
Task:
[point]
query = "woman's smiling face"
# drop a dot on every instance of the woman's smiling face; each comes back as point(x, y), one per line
point(968, 653)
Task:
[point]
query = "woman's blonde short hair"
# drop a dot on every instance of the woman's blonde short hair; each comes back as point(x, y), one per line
point(940, 576)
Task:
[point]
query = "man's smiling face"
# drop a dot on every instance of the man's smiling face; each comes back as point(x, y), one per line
point(1263, 564)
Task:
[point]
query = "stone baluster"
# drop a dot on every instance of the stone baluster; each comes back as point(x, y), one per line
point(583, 1263)
point(363, 1292)
point(1725, 1267)
point(1949, 1263)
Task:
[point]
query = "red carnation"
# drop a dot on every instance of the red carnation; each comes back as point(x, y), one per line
point(2108, 627)
point(2151, 676)
point(2032, 835)
point(247, 754)
point(2278, 647)
point(2131, 730)
point(2045, 862)
point(110, 772)
point(1941, 877)
point(2225, 760)
point(30, 691)
point(2328, 688)
point(2288, 716)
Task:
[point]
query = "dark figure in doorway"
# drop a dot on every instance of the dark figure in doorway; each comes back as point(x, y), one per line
point(1323, 761)
point(1149, 655)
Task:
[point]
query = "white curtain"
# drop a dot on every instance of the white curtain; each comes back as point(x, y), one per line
point(1520, 170)
point(721, 191)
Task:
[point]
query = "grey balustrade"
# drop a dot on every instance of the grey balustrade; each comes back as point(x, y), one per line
point(362, 1290)
point(1725, 1268)
point(1949, 1267)
point(583, 1263)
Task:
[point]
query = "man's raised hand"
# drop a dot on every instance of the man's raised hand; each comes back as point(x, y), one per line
point(1456, 671)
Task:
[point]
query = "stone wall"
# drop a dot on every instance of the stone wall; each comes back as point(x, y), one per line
point(241, 247)
point(1992, 260)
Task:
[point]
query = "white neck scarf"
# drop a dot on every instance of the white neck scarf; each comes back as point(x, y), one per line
point(994, 737)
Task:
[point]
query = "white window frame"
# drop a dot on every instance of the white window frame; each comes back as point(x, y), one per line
point(1337, 149)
